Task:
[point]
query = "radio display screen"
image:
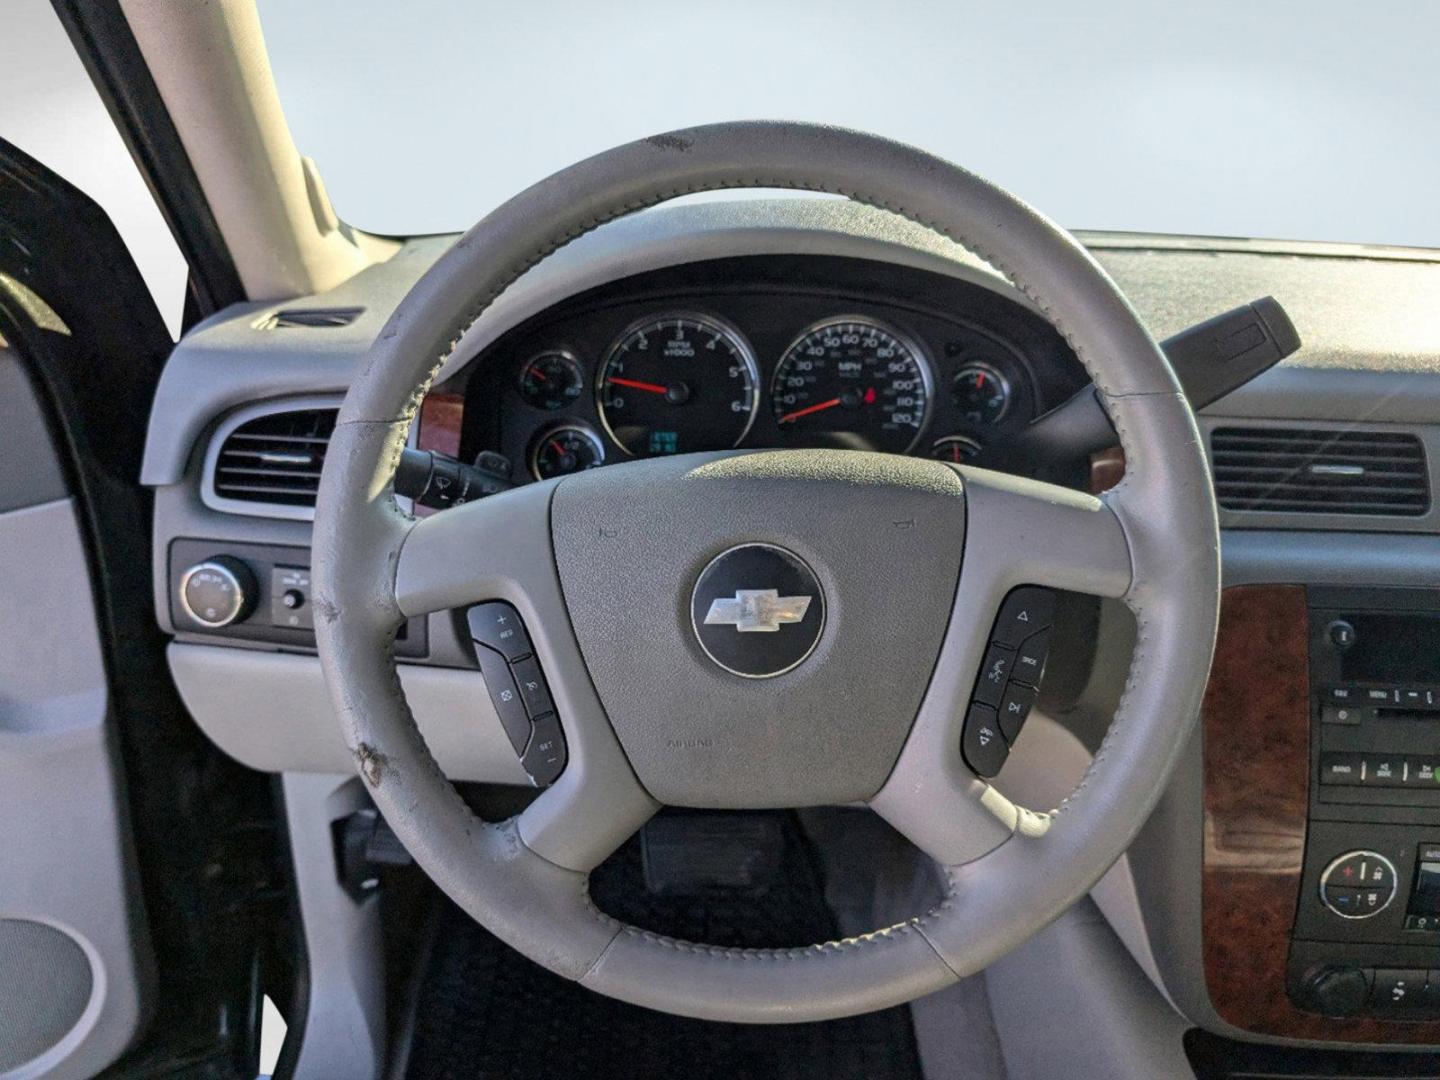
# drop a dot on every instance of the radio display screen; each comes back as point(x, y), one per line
point(1393, 648)
point(1423, 911)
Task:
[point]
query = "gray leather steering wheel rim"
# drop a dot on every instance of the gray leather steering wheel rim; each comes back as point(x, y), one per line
point(1152, 541)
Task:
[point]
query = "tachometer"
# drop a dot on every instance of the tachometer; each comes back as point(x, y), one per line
point(852, 382)
point(676, 384)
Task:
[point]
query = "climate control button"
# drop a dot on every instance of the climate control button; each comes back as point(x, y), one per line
point(1358, 884)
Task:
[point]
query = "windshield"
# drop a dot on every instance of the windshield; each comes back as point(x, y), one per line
point(1317, 121)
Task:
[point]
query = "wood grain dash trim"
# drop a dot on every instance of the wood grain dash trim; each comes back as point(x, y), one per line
point(1256, 723)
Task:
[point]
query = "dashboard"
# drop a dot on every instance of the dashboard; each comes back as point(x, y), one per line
point(774, 352)
point(769, 324)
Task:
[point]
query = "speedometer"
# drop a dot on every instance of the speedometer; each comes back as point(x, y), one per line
point(852, 382)
point(678, 383)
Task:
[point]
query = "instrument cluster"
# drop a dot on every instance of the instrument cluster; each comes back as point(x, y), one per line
point(843, 355)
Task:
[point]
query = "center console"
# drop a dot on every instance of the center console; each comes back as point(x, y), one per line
point(1365, 941)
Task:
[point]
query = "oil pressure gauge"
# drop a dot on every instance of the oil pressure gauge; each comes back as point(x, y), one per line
point(551, 380)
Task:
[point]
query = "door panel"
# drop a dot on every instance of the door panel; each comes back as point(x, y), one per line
point(73, 942)
point(142, 907)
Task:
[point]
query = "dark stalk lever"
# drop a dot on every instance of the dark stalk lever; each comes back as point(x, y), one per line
point(437, 480)
point(1210, 359)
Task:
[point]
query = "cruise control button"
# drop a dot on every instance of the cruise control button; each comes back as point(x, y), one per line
point(1026, 610)
point(1014, 708)
point(1340, 769)
point(984, 746)
point(545, 756)
point(994, 674)
point(498, 625)
point(1030, 658)
point(505, 696)
point(532, 686)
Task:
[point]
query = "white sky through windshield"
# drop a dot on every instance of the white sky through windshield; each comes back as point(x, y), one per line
point(1315, 120)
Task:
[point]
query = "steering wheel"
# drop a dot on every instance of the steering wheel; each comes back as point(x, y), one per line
point(904, 563)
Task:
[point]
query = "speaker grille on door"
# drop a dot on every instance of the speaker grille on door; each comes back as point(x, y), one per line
point(44, 990)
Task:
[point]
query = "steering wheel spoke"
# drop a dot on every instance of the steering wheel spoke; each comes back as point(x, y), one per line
point(500, 549)
point(1024, 532)
point(1018, 532)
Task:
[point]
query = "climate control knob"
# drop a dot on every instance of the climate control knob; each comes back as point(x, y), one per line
point(1336, 991)
point(217, 592)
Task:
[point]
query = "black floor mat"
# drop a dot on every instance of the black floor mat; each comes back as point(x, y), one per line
point(484, 1011)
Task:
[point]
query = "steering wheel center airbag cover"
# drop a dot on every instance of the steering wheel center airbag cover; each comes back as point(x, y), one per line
point(882, 536)
point(757, 632)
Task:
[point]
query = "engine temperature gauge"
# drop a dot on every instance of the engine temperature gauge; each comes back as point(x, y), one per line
point(981, 392)
point(564, 450)
point(552, 380)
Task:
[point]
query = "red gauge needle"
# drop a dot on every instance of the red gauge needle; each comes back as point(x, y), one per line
point(808, 410)
point(558, 448)
point(536, 373)
point(648, 387)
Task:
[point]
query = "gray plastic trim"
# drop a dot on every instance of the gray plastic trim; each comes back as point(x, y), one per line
point(227, 427)
point(343, 1032)
point(1101, 1018)
point(27, 478)
point(291, 727)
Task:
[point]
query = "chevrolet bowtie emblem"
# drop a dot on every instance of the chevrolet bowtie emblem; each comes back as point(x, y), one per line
point(757, 610)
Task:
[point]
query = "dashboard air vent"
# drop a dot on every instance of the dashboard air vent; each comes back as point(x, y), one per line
point(311, 318)
point(1313, 470)
point(275, 458)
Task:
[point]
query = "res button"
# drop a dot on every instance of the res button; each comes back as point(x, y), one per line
point(496, 625)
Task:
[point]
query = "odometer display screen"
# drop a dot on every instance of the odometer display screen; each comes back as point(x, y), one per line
point(852, 382)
